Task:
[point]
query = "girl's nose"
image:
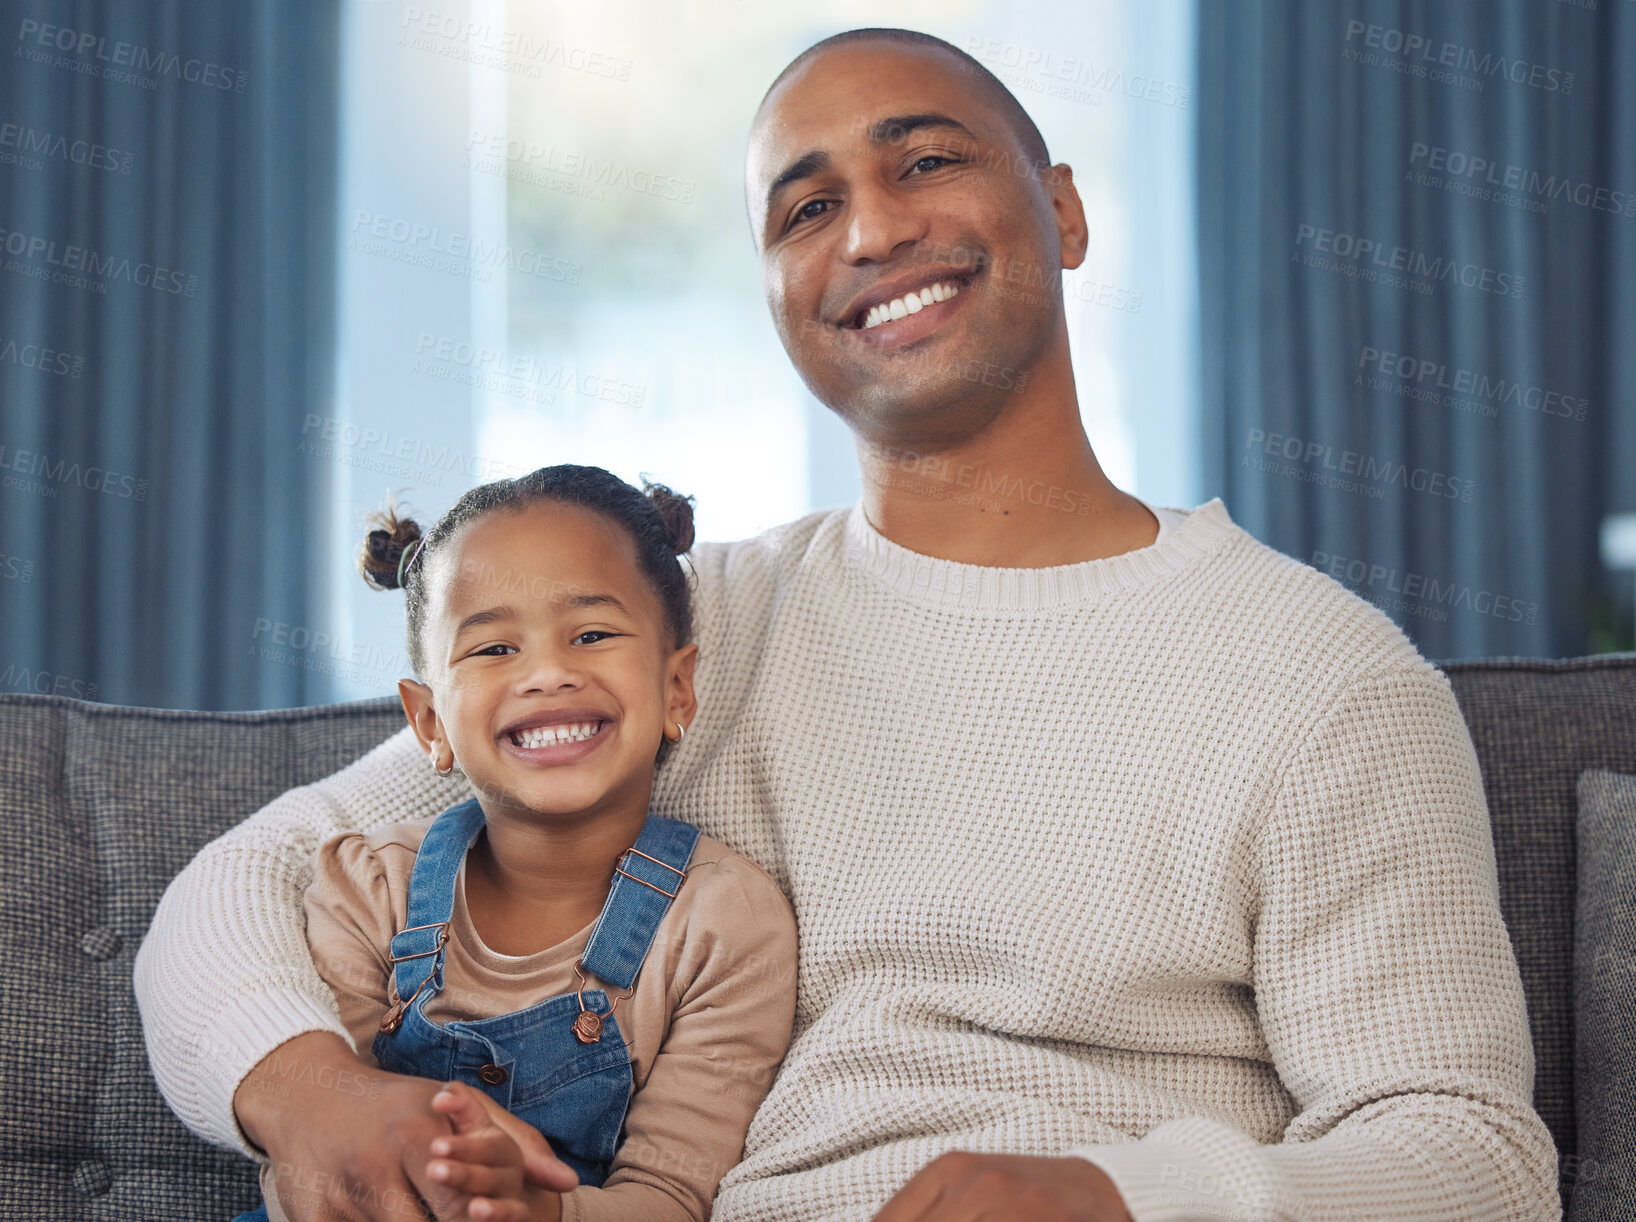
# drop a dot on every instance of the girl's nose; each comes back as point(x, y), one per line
point(551, 669)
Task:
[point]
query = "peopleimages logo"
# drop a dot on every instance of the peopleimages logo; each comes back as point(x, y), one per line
point(37, 357)
point(303, 648)
point(1426, 591)
point(1484, 178)
point(373, 449)
point(83, 267)
point(1059, 74)
point(1313, 462)
point(1440, 60)
point(461, 254)
point(16, 678)
point(936, 476)
point(39, 473)
point(491, 46)
point(1398, 266)
point(34, 147)
point(15, 568)
point(93, 55)
point(544, 165)
point(495, 369)
point(1462, 389)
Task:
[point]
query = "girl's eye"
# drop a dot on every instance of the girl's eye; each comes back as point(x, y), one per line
point(489, 651)
point(595, 632)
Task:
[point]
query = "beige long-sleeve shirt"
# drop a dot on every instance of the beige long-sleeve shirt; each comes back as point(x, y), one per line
point(706, 1026)
point(1177, 860)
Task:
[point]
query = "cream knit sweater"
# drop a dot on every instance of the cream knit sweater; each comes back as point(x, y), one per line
point(1178, 860)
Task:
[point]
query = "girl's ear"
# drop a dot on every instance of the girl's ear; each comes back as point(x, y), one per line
point(423, 720)
point(680, 703)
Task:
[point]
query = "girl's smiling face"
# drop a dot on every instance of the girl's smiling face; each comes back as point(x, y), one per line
point(551, 673)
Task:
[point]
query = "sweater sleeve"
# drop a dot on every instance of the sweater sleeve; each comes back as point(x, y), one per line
point(224, 975)
point(729, 1029)
point(1387, 991)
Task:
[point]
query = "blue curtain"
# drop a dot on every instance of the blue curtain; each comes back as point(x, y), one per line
point(1418, 303)
point(167, 184)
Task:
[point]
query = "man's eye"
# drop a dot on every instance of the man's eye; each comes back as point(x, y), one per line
point(806, 211)
point(931, 162)
point(596, 633)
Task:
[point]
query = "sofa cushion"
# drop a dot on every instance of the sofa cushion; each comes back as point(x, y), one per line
point(1536, 726)
point(1597, 1181)
point(102, 807)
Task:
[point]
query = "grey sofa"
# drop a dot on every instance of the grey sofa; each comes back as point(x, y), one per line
point(104, 805)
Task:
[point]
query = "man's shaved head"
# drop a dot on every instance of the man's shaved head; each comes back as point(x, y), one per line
point(1005, 104)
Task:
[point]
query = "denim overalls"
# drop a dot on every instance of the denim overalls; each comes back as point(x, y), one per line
point(562, 1064)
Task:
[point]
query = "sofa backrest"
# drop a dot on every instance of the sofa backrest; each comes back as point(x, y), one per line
point(1536, 726)
point(104, 805)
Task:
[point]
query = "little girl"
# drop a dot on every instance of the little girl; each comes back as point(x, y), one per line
point(587, 965)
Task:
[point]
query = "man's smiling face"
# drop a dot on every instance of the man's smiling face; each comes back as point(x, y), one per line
point(878, 172)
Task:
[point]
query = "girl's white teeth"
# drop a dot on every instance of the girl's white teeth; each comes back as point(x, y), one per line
point(909, 303)
point(550, 736)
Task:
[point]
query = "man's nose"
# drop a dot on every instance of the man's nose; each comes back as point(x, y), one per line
point(880, 221)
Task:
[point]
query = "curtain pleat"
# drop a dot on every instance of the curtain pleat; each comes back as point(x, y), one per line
point(1447, 449)
point(157, 522)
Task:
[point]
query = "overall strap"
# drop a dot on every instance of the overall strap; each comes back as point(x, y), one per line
point(646, 880)
point(415, 950)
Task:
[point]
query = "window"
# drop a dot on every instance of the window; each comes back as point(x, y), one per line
point(546, 257)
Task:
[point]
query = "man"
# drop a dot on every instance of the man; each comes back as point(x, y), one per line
point(1141, 872)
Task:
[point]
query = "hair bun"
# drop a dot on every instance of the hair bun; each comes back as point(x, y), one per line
point(676, 511)
point(380, 557)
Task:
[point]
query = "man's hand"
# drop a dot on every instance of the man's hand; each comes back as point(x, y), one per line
point(963, 1187)
point(352, 1142)
point(484, 1165)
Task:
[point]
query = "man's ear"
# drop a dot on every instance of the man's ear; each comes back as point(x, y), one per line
point(423, 719)
point(681, 705)
point(1072, 233)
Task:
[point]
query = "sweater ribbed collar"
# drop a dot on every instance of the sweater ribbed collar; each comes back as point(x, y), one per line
point(950, 585)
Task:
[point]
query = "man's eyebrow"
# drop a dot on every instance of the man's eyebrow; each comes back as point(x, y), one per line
point(895, 129)
point(803, 166)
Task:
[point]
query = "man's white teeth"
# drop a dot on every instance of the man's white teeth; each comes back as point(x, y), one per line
point(909, 303)
point(550, 736)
